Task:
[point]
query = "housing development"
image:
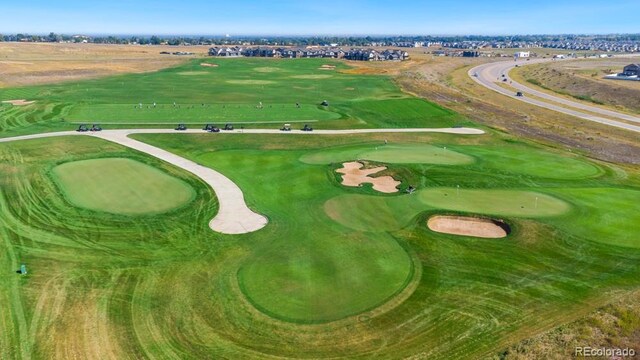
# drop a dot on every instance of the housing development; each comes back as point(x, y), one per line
point(311, 52)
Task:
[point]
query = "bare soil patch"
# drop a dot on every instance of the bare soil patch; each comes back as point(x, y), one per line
point(21, 102)
point(327, 67)
point(354, 174)
point(209, 65)
point(468, 226)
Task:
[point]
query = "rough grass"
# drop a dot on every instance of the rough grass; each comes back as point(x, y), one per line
point(121, 186)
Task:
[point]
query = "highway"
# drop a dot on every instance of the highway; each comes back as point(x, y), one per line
point(490, 75)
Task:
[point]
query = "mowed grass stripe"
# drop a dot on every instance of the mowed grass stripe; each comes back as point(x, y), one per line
point(121, 186)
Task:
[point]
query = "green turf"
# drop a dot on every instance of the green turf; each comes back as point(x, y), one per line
point(230, 92)
point(534, 162)
point(494, 202)
point(605, 215)
point(307, 276)
point(121, 186)
point(338, 271)
point(390, 153)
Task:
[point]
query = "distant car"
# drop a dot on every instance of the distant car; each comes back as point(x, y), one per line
point(519, 94)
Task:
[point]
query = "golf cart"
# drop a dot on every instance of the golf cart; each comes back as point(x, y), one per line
point(286, 127)
point(519, 94)
point(96, 127)
point(181, 127)
point(325, 103)
point(307, 128)
point(83, 128)
point(228, 127)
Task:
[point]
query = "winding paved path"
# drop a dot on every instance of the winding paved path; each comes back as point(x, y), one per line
point(234, 216)
point(490, 75)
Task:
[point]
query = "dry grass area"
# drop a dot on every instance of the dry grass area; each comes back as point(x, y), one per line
point(445, 81)
point(616, 325)
point(40, 63)
point(584, 80)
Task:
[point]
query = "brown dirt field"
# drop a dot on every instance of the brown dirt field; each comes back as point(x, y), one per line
point(21, 102)
point(354, 175)
point(467, 226)
point(41, 63)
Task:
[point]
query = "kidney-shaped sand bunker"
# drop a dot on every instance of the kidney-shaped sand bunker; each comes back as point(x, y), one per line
point(469, 226)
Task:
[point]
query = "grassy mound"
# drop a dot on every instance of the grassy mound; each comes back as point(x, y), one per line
point(121, 186)
point(495, 202)
point(390, 153)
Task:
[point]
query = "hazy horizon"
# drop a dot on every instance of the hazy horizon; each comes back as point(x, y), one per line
point(329, 18)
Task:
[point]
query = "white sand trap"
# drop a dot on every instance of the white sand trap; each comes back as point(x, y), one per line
point(21, 102)
point(468, 226)
point(208, 65)
point(354, 175)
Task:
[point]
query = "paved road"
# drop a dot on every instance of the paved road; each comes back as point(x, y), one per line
point(234, 216)
point(489, 75)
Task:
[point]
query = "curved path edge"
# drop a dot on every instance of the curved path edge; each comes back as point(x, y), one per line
point(489, 74)
point(234, 216)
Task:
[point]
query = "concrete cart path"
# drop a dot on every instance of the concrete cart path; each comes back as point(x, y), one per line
point(234, 216)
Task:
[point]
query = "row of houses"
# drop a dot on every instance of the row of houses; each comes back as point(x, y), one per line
point(296, 53)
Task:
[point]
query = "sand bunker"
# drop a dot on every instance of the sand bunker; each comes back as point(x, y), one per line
point(21, 102)
point(208, 65)
point(468, 226)
point(354, 175)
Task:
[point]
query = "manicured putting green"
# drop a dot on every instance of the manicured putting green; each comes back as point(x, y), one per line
point(391, 153)
point(531, 161)
point(121, 186)
point(494, 202)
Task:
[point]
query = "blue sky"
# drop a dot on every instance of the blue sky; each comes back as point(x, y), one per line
point(321, 17)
